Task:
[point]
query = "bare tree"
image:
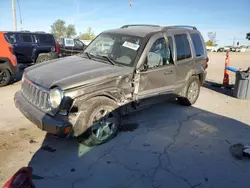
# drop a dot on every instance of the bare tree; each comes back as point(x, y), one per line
point(212, 37)
point(70, 31)
point(59, 29)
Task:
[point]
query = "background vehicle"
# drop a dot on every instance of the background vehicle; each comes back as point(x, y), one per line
point(120, 71)
point(221, 49)
point(8, 63)
point(70, 46)
point(86, 42)
point(33, 47)
point(227, 49)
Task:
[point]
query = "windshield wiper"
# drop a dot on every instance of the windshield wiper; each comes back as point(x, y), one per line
point(88, 55)
point(109, 59)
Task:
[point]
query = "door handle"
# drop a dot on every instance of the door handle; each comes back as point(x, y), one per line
point(168, 72)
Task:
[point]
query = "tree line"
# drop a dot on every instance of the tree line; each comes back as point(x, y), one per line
point(60, 29)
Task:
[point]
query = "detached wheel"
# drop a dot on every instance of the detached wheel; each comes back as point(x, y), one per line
point(103, 120)
point(5, 77)
point(42, 58)
point(191, 92)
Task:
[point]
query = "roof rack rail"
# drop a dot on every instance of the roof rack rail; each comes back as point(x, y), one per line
point(139, 25)
point(40, 32)
point(182, 26)
point(25, 31)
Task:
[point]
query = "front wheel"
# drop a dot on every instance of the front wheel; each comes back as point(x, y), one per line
point(191, 92)
point(103, 121)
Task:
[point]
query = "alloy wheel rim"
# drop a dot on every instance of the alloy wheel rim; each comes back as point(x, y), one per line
point(3, 76)
point(193, 91)
point(104, 124)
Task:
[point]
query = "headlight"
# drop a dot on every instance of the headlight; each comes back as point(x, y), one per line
point(55, 97)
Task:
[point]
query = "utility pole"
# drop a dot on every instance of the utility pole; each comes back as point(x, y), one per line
point(234, 42)
point(14, 15)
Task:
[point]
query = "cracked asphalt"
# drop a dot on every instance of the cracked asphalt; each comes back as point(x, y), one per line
point(172, 146)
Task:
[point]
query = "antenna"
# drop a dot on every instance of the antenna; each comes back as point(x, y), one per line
point(20, 15)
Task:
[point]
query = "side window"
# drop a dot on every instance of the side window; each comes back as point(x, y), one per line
point(79, 44)
point(183, 49)
point(46, 39)
point(11, 38)
point(25, 38)
point(69, 42)
point(198, 45)
point(159, 54)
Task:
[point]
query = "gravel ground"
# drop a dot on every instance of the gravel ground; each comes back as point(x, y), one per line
point(173, 146)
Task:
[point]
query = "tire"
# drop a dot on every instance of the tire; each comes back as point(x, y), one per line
point(97, 107)
point(191, 92)
point(5, 77)
point(42, 58)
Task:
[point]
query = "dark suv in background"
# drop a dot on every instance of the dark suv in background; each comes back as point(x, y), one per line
point(33, 47)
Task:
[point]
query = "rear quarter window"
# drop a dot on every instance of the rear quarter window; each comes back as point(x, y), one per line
point(46, 39)
point(198, 45)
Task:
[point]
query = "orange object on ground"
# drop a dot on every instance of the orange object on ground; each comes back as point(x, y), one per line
point(22, 178)
point(226, 72)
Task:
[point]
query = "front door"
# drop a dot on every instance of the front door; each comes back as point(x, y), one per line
point(160, 74)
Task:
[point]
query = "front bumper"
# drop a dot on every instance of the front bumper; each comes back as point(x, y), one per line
point(56, 125)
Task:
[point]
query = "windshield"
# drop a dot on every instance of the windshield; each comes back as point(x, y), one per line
point(122, 49)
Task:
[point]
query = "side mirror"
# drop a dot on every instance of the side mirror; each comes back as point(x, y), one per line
point(144, 66)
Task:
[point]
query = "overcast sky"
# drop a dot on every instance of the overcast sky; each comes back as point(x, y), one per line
point(228, 18)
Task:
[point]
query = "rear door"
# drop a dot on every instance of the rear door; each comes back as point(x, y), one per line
point(45, 43)
point(183, 56)
point(24, 47)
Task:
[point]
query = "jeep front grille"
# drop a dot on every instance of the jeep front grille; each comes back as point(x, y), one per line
point(36, 95)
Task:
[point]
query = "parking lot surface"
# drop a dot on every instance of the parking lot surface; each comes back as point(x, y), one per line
point(167, 145)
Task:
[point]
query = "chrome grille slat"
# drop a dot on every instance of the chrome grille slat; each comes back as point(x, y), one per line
point(38, 96)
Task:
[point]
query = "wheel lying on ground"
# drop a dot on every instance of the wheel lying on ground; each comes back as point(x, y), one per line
point(42, 58)
point(191, 92)
point(103, 119)
point(5, 77)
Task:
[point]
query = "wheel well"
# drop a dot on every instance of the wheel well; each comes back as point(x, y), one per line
point(102, 95)
point(2, 61)
point(200, 77)
point(79, 102)
point(4, 64)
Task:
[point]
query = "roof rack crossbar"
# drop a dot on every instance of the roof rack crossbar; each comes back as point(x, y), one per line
point(139, 25)
point(182, 26)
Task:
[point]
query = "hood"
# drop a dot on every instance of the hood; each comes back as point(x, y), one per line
point(72, 71)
